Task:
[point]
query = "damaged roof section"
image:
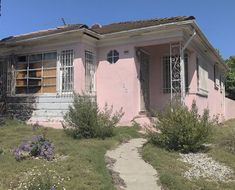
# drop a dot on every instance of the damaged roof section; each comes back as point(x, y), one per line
point(40, 33)
point(130, 25)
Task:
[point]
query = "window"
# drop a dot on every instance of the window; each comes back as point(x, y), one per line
point(216, 76)
point(167, 75)
point(113, 56)
point(89, 72)
point(202, 76)
point(2, 76)
point(35, 73)
point(66, 68)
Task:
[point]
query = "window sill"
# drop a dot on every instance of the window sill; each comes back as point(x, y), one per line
point(202, 92)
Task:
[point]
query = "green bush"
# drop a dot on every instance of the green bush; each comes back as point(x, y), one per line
point(85, 120)
point(182, 129)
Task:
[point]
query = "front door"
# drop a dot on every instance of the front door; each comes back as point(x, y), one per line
point(144, 81)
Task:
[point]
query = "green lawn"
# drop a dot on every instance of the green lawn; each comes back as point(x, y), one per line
point(81, 164)
point(170, 169)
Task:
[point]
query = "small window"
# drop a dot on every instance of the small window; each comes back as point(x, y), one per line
point(50, 56)
point(35, 58)
point(113, 56)
point(202, 76)
point(216, 76)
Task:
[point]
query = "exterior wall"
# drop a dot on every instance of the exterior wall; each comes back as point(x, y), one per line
point(158, 99)
point(117, 84)
point(214, 101)
point(229, 109)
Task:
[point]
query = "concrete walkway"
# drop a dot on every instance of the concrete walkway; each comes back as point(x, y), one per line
point(133, 170)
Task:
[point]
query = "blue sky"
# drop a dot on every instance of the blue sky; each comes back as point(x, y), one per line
point(216, 18)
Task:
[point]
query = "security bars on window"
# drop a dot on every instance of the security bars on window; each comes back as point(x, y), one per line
point(175, 74)
point(66, 61)
point(90, 73)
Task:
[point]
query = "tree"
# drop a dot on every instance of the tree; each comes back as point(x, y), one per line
point(230, 78)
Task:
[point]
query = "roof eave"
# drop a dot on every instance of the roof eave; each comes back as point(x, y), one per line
point(208, 44)
point(143, 29)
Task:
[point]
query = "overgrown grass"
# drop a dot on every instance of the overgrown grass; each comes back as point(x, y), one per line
point(83, 162)
point(170, 169)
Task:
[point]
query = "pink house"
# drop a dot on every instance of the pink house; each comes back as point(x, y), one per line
point(137, 65)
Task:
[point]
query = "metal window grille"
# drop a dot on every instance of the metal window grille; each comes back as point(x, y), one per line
point(66, 61)
point(113, 56)
point(175, 73)
point(2, 77)
point(89, 73)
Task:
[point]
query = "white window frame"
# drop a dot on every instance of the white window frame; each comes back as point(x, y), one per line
point(202, 76)
point(90, 73)
point(216, 76)
point(65, 64)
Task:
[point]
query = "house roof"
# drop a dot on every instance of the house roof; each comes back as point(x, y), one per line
point(105, 29)
point(129, 25)
point(40, 33)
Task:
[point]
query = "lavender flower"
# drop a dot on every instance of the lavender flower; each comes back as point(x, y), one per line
point(38, 147)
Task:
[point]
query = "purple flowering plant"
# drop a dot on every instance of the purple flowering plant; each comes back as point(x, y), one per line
point(38, 146)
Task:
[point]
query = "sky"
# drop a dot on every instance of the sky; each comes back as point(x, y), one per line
point(216, 18)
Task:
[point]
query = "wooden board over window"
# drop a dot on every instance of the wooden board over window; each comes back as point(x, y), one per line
point(36, 73)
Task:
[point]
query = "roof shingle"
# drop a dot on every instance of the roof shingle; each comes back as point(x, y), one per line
point(45, 32)
point(129, 25)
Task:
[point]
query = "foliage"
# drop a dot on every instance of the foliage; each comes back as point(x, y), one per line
point(85, 120)
point(228, 142)
point(42, 183)
point(182, 129)
point(78, 164)
point(37, 147)
point(2, 121)
point(230, 78)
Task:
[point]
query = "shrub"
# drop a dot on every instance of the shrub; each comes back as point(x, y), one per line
point(229, 142)
point(85, 120)
point(39, 146)
point(42, 183)
point(182, 129)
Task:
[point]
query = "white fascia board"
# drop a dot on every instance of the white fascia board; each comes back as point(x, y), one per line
point(208, 45)
point(48, 37)
point(144, 29)
point(146, 38)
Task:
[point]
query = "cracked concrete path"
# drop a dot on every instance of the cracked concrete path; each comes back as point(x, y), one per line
point(132, 169)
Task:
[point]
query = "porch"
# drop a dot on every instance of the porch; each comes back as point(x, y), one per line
point(165, 72)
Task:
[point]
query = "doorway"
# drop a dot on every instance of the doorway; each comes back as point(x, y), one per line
point(144, 59)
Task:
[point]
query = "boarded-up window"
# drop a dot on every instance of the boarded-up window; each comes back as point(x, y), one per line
point(35, 73)
point(89, 72)
point(202, 76)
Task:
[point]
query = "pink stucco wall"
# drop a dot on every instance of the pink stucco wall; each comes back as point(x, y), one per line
point(214, 101)
point(229, 109)
point(117, 83)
